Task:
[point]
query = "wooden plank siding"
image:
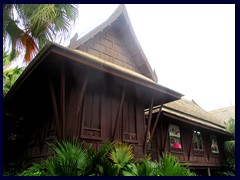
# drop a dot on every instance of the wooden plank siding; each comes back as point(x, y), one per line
point(97, 108)
point(161, 144)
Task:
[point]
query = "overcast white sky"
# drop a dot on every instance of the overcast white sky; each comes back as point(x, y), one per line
point(191, 47)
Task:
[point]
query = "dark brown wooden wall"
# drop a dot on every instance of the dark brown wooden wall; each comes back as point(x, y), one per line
point(109, 46)
point(97, 108)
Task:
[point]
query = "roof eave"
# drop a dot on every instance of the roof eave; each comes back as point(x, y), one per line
point(76, 56)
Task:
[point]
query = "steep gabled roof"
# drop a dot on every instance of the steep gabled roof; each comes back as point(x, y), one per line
point(192, 113)
point(120, 21)
point(224, 114)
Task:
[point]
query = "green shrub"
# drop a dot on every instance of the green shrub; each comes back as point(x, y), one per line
point(36, 169)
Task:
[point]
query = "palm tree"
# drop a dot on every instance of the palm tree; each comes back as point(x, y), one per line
point(31, 26)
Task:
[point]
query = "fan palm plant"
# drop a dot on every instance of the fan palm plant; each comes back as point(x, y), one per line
point(120, 155)
point(31, 26)
point(98, 161)
point(170, 166)
point(70, 159)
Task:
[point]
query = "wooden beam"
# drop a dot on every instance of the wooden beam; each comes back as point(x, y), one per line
point(160, 130)
point(155, 123)
point(190, 146)
point(209, 171)
point(54, 107)
point(165, 140)
point(80, 103)
point(159, 139)
point(149, 124)
point(119, 112)
point(62, 98)
point(209, 147)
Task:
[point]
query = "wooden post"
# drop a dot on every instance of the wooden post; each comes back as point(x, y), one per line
point(190, 146)
point(148, 126)
point(161, 139)
point(62, 103)
point(54, 107)
point(209, 171)
point(209, 147)
point(80, 104)
point(155, 123)
point(119, 112)
point(165, 140)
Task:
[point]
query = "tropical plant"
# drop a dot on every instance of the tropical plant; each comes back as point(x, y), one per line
point(70, 159)
point(148, 168)
point(231, 126)
point(36, 169)
point(170, 166)
point(98, 161)
point(229, 146)
point(131, 169)
point(120, 155)
point(228, 164)
point(112, 159)
point(228, 167)
point(9, 78)
point(31, 26)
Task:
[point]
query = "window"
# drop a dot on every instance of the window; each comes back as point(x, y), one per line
point(175, 137)
point(197, 140)
point(214, 145)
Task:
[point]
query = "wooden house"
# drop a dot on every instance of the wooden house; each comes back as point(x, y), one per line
point(190, 133)
point(96, 90)
point(102, 88)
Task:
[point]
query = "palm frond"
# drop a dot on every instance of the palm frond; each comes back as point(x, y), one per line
point(121, 154)
point(70, 158)
point(170, 166)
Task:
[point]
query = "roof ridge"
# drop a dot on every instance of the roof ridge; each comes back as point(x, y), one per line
point(120, 11)
point(205, 111)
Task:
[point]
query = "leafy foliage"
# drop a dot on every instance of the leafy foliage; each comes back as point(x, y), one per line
point(99, 161)
point(112, 159)
point(148, 168)
point(229, 146)
point(228, 165)
point(36, 169)
point(169, 166)
point(120, 155)
point(70, 159)
point(30, 26)
point(9, 78)
point(231, 126)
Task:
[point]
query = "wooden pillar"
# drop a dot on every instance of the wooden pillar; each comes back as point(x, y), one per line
point(209, 171)
point(155, 123)
point(62, 98)
point(119, 112)
point(80, 104)
point(209, 149)
point(166, 136)
point(190, 145)
point(148, 126)
point(54, 107)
